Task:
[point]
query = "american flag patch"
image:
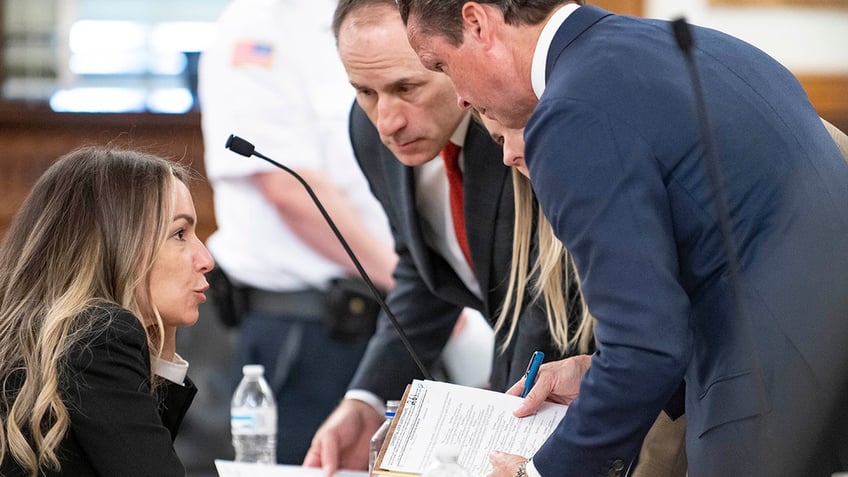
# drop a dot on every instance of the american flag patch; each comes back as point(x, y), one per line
point(253, 53)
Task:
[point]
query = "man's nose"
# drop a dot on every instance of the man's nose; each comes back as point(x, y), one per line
point(390, 118)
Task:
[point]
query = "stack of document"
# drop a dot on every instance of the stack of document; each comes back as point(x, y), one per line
point(434, 415)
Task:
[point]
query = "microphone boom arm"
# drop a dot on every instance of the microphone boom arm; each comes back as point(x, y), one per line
point(240, 146)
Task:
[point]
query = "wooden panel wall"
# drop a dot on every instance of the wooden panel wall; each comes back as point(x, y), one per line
point(781, 3)
point(622, 7)
point(829, 95)
point(31, 139)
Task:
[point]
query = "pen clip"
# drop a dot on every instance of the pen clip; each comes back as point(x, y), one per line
point(529, 365)
point(532, 371)
point(537, 356)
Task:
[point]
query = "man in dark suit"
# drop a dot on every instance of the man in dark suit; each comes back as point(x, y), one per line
point(403, 117)
point(619, 166)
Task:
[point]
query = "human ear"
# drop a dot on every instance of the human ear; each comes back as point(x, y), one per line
point(478, 21)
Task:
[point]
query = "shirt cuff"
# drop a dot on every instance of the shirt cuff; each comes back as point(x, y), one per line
point(174, 371)
point(368, 398)
point(530, 469)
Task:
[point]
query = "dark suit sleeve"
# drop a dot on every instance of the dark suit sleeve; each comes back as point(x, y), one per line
point(115, 420)
point(606, 199)
point(427, 320)
point(387, 367)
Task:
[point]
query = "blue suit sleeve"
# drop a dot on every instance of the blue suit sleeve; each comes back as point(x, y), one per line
point(605, 195)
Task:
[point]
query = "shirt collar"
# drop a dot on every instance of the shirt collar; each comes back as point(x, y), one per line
point(458, 136)
point(174, 371)
point(540, 56)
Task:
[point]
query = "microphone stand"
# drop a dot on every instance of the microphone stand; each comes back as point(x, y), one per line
point(683, 36)
point(685, 41)
point(240, 146)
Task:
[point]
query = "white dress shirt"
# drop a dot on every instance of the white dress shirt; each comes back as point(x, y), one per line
point(174, 371)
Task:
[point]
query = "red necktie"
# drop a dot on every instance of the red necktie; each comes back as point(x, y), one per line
point(450, 154)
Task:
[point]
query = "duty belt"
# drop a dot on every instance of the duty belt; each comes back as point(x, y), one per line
point(303, 304)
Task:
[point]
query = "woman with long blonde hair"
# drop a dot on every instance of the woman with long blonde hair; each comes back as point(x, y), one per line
point(663, 451)
point(98, 269)
point(551, 278)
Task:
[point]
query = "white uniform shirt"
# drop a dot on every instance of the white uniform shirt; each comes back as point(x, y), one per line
point(274, 78)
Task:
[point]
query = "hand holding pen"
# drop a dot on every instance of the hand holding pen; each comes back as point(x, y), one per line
point(556, 381)
point(532, 371)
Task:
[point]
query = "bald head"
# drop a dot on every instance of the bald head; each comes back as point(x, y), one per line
point(346, 8)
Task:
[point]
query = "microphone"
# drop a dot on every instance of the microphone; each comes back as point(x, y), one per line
point(246, 149)
point(685, 41)
point(802, 458)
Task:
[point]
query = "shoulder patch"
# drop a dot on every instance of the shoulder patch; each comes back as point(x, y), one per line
point(253, 53)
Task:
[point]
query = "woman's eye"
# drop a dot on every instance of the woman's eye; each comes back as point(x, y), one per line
point(179, 235)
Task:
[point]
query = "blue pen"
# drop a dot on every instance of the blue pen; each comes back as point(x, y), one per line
point(532, 371)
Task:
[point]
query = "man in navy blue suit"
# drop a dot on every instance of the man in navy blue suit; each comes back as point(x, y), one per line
point(613, 146)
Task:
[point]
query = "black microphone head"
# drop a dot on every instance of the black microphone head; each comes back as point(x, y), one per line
point(682, 34)
point(239, 146)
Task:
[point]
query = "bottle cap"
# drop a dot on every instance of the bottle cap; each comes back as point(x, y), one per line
point(253, 370)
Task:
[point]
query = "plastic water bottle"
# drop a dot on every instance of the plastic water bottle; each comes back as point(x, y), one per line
point(253, 418)
point(446, 464)
point(380, 436)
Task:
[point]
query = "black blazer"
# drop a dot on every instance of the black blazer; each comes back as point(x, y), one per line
point(428, 295)
point(117, 426)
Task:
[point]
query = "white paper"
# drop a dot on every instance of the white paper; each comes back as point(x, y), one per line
point(227, 468)
point(475, 421)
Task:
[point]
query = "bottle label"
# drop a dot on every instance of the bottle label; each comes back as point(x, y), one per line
point(251, 421)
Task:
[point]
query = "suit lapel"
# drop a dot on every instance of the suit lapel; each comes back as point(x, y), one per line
point(579, 21)
point(483, 169)
point(404, 196)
